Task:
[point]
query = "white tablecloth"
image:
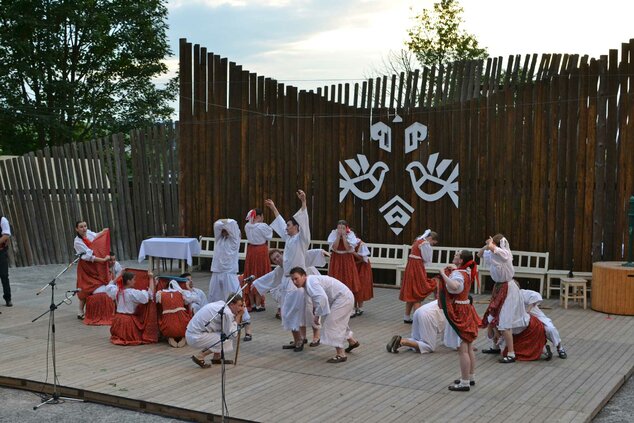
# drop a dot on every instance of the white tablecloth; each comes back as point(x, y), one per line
point(174, 248)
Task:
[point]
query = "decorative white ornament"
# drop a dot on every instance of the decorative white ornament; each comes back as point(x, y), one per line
point(383, 134)
point(396, 210)
point(362, 172)
point(414, 135)
point(448, 186)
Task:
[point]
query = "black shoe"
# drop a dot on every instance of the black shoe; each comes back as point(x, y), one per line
point(9, 303)
point(457, 382)
point(408, 322)
point(491, 351)
point(299, 348)
point(562, 353)
point(458, 388)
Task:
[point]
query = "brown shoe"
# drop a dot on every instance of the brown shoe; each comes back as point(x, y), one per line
point(200, 362)
point(337, 359)
point(352, 346)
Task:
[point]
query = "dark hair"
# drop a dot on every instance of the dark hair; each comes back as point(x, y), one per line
point(127, 276)
point(231, 299)
point(258, 212)
point(184, 275)
point(497, 238)
point(293, 221)
point(77, 224)
point(342, 222)
point(466, 256)
point(298, 270)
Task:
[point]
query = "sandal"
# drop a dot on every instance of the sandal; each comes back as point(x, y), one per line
point(457, 382)
point(337, 359)
point(352, 346)
point(392, 346)
point(81, 316)
point(562, 353)
point(458, 388)
point(492, 351)
point(200, 362)
point(247, 337)
point(507, 359)
point(278, 316)
point(315, 343)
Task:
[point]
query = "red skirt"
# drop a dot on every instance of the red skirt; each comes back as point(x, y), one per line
point(126, 329)
point(366, 291)
point(416, 286)
point(464, 319)
point(343, 268)
point(100, 310)
point(530, 343)
point(257, 263)
point(174, 325)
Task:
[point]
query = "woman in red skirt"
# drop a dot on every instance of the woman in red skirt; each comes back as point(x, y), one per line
point(416, 286)
point(342, 265)
point(128, 326)
point(462, 319)
point(257, 261)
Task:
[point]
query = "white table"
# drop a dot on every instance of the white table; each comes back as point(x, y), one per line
point(181, 249)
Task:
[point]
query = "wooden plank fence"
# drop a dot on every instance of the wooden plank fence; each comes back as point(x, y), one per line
point(544, 145)
point(126, 183)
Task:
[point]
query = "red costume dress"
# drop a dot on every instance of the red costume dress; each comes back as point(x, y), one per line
point(364, 268)
point(343, 268)
point(135, 321)
point(91, 276)
point(461, 315)
point(257, 262)
point(416, 286)
point(173, 315)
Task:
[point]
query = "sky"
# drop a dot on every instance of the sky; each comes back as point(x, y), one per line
point(311, 43)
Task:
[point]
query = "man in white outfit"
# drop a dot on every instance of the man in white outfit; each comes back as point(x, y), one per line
point(224, 265)
point(334, 302)
point(429, 321)
point(205, 329)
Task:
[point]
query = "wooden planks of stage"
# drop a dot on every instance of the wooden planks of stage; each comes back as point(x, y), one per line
point(274, 385)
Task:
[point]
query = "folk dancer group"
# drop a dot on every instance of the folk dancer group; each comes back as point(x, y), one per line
point(516, 327)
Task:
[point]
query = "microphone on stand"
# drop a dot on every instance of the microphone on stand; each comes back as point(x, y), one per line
point(79, 254)
point(74, 291)
point(249, 279)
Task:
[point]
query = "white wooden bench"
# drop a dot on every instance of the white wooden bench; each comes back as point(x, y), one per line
point(389, 256)
point(558, 274)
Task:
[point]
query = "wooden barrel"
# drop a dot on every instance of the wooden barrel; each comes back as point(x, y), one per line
point(613, 288)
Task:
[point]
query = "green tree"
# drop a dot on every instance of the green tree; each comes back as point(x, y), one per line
point(437, 39)
point(71, 70)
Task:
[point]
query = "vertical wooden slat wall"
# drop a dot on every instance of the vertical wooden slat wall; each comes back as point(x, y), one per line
point(543, 143)
point(44, 193)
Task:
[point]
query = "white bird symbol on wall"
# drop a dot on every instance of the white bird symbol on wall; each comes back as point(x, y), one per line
point(363, 172)
point(448, 186)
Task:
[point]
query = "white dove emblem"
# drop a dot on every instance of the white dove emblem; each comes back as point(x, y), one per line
point(363, 172)
point(448, 186)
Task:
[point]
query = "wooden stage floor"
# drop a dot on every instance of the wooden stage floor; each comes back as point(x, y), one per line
point(274, 385)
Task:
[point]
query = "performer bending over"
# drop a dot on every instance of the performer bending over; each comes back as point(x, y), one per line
point(462, 319)
point(334, 302)
point(429, 322)
point(532, 300)
point(205, 328)
point(127, 327)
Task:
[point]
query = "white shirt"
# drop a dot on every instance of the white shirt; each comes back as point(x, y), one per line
point(350, 237)
point(129, 298)
point(226, 247)
point(6, 228)
point(426, 252)
point(296, 245)
point(209, 313)
point(500, 263)
point(81, 247)
point(324, 290)
point(258, 233)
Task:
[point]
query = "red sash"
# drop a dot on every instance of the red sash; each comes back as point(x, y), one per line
point(91, 275)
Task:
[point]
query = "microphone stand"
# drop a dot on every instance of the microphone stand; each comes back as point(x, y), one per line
point(224, 337)
point(55, 397)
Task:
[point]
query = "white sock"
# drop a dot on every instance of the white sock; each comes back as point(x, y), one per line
point(511, 354)
point(406, 317)
point(464, 382)
point(472, 376)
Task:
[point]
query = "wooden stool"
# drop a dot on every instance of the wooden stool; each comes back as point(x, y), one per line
point(573, 289)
